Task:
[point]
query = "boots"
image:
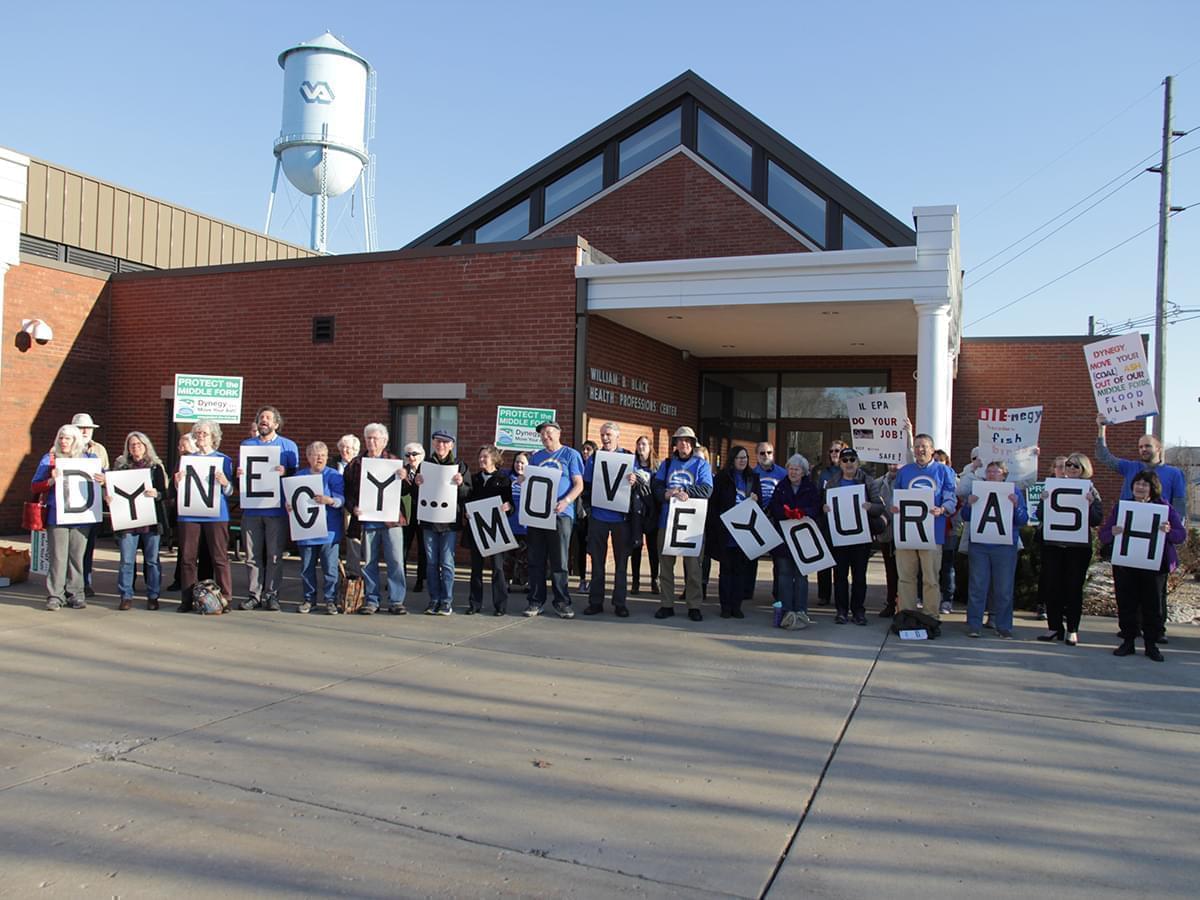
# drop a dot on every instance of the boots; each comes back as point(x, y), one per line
point(1126, 648)
point(1152, 652)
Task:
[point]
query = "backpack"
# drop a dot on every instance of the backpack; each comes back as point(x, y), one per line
point(207, 598)
point(914, 619)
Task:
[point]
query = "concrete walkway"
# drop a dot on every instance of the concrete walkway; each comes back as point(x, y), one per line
point(272, 754)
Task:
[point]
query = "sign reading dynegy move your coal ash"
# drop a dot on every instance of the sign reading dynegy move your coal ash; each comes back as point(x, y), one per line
point(1120, 378)
point(1011, 435)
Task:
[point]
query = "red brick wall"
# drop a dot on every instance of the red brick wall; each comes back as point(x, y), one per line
point(41, 387)
point(1004, 372)
point(677, 210)
point(458, 318)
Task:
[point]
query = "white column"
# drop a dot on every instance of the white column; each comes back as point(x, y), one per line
point(934, 370)
point(14, 169)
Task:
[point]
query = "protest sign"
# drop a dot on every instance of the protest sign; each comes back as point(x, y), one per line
point(1065, 503)
point(1120, 378)
point(685, 527)
point(77, 497)
point(128, 505)
point(913, 526)
point(439, 495)
point(1141, 543)
point(539, 496)
point(306, 517)
point(1011, 435)
point(258, 487)
point(848, 523)
point(199, 493)
point(214, 397)
point(750, 529)
point(490, 526)
point(516, 427)
point(610, 481)
point(39, 553)
point(992, 513)
point(380, 486)
point(1033, 493)
point(807, 545)
point(877, 427)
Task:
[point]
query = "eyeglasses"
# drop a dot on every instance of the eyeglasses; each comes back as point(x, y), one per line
point(412, 453)
point(849, 459)
point(766, 452)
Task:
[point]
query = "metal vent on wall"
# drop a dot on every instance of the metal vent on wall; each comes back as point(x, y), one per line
point(322, 329)
point(90, 260)
point(39, 247)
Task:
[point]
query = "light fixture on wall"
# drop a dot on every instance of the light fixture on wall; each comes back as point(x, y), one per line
point(38, 330)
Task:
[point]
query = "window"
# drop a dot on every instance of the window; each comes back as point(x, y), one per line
point(855, 237)
point(574, 187)
point(648, 144)
point(724, 149)
point(823, 395)
point(740, 396)
point(416, 422)
point(798, 203)
point(508, 226)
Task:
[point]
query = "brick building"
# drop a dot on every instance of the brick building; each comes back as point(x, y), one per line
point(681, 263)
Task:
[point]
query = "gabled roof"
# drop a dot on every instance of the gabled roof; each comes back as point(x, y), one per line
point(687, 88)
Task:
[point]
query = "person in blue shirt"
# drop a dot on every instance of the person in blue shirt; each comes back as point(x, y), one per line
point(682, 475)
point(605, 524)
point(993, 567)
point(332, 497)
point(265, 531)
point(924, 472)
point(212, 530)
point(1150, 459)
point(770, 473)
point(549, 549)
point(518, 560)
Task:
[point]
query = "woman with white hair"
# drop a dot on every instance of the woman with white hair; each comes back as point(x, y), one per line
point(139, 454)
point(348, 447)
point(796, 497)
point(66, 543)
point(214, 532)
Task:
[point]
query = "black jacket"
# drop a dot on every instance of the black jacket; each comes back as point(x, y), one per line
point(723, 498)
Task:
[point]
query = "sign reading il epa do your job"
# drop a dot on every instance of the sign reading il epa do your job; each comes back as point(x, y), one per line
point(217, 398)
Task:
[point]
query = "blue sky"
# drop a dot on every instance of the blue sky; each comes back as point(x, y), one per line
point(1013, 111)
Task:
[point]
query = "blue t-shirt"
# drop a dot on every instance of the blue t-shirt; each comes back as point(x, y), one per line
point(940, 478)
point(289, 458)
point(687, 473)
point(332, 485)
point(569, 464)
point(597, 513)
point(768, 478)
point(514, 514)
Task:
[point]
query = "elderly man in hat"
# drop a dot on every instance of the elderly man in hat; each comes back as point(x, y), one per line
point(682, 475)
point(87, 427)
point(550, 548)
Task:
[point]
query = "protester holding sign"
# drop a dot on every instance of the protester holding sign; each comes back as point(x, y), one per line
point(609, 478)
point(441, 537)
point(993, 565)
point(139, 456)
point(831, 469)
point(851, 559)
point(1065, 563)
point(66, 543)
point(644, 520)
point(796, 497)
point(265, 528)
point(489, 481)
point(683, 475)
point(517, 566)
point(213, 528)
point(87, 427)
point(414, 455)
point(770, 473)
point(1150, 459)
point(924, 473)
point(736, 483)
point(321, 549)
point(379, 538)
point(886, 485)
point(1139, 590)
point(548, 548)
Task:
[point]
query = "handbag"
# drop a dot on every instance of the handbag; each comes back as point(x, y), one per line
point(33, 515)
point(350, 591)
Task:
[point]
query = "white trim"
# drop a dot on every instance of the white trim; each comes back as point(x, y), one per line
point(431, 391)
point(882, 258)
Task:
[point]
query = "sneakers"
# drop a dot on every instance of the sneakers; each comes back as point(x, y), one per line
point(470, 611)
point(564, 611)
point(305, 607)
point(444, 609)
point(584, 586)
point(1004, 633)
point(431, 609)
point(249, 603)
point(860, 620)
point(397, 609)
point(77, 602)
point(946, 608)
point(788, 621)
point(737, 614)
point(273, 603)
point(664, 612)
point(367, 610)
point(1040, 615)
point(531, 611)
point(331, 609)
point(593, 610)
point(695, 615)
point(973, 633)
point(499, 612)
point(53, 603)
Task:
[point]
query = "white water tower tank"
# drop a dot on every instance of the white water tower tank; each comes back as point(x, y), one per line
point(324, 116)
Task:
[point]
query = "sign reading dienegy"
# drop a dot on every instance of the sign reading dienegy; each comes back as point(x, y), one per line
point(1120, 378)
point(214, 397)
point(516, 427)
point(1011, 435)
point(877, 427)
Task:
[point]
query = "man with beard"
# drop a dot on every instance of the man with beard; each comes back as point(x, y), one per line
point(266, 530)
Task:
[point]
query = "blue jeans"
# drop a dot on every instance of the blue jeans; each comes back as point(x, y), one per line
point(793, 587)
point(328, 556)
point(128, 543)
point(439, 557)
point(388, 542)
point(993, 568)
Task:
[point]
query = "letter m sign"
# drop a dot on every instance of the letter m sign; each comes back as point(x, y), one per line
point(320, 92)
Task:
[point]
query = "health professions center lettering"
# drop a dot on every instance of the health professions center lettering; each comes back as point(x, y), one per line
point(601, 394)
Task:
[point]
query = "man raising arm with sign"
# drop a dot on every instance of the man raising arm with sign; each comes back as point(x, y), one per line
point(1150, 459)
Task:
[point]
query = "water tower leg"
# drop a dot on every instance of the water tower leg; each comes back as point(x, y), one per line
point(366, 210)
point(271, 199)
point(314, 240)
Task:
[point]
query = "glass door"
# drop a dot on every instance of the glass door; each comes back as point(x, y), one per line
point(810, 438)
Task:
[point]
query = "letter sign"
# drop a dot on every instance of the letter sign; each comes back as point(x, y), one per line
point(751, 530)
point(539, 496)
point(913, 526)
point(259, 485)
point(1065, 507)
point(807, 546)
point(685, 527)
point(380, 486)
point(847, 519)
point(199, 493)
point(77, 497)
point(490, 527)
point(992, 513)
point(610, 484)
point(1141, 543)
point(128, 505)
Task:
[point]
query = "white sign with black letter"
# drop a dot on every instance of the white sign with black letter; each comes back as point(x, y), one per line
point(750, 529)
point(199, 493)
point(807, 545)
point(128, 505)
point(992, 513)
point(685, 527)
point(439, 495)
point(306, 517)
point(1141, 543)
point(913, 526)
point(610, 481)
point(848, 523)
point(490, 526)
point(380, 485)
point(539, 496)
point(77, 497)
point(259, 485)
point(1065, 507)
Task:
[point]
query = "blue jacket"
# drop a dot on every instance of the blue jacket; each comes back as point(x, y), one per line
point(694, 475)
point(940, 478)
point(333, 486)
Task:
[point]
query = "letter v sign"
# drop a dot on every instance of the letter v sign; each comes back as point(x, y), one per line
point(320, 92)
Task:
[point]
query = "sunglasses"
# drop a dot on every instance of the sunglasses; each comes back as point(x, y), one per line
point(766, 452)
point(411, 453)
point(1071, 465)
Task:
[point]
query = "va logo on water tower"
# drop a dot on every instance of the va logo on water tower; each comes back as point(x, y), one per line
point(320, 92)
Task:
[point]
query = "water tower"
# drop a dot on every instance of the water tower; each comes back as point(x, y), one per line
point(328, 121)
